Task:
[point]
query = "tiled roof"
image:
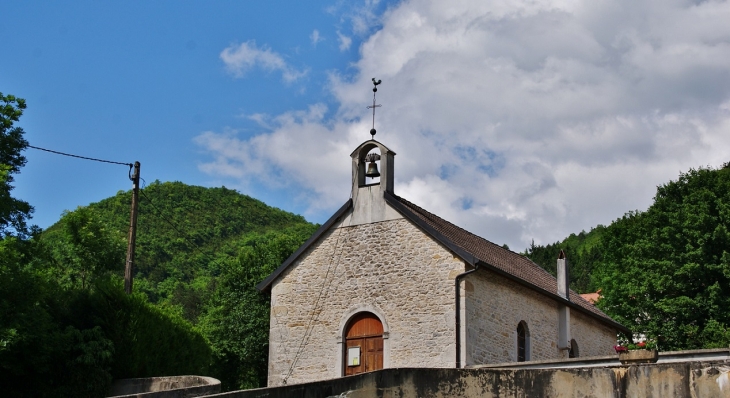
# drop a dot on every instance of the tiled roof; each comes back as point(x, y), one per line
point(591, 297)
point(502, 260)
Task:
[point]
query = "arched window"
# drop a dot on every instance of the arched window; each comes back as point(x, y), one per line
point(573, 353)
point(523, 342)
point(363, 344)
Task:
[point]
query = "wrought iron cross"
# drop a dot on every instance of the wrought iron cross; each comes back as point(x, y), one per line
point(375, 90)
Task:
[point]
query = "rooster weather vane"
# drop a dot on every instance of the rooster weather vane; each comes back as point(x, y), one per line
point(375, 90)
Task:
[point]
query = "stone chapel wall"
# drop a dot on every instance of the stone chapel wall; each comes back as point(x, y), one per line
point(390, 268)
point(495, 306)
point(592, 341)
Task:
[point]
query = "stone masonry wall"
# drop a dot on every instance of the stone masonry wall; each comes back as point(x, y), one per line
point(496, 305)
point(690, 379)
point(390, 268)
point(593, 338)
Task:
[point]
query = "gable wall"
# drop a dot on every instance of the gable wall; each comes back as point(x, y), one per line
point(391, 268)
point(496, 305)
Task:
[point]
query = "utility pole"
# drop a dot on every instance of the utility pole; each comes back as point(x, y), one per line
point(131, 240)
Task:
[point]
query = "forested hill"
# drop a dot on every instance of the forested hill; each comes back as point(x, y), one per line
point(199, 254)
point(583, 253)
point(663, 272)
point(184, 235)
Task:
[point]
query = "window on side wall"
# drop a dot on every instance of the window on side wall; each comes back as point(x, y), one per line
point(523, 342)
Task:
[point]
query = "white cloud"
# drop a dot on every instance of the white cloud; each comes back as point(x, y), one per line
point(240, 58)
point(345, 41)
point(517, 120)
point(362, 16)
point(315, 37)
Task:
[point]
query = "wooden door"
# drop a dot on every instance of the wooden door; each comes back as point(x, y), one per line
point(364, 344)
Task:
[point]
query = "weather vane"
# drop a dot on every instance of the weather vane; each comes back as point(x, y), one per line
point(375, 90)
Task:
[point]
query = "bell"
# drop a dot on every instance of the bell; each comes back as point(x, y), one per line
point(372, 170)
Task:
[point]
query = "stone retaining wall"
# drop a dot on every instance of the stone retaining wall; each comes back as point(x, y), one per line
point(688, 379)
point(165, 387)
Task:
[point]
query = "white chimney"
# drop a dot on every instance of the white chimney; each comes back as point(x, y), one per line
point(563, 282)
point(563, 310)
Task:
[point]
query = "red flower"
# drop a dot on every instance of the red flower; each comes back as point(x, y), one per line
point(642, 344)
point(620, 348)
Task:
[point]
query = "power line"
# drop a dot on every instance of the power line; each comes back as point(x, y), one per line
point(80, 157)
point(317, 311)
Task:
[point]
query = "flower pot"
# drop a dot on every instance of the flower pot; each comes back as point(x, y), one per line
point(638, 356)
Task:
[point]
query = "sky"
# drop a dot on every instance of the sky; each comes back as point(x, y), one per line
point(519, 121)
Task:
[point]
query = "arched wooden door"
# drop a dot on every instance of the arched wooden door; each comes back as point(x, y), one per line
point(364, 344)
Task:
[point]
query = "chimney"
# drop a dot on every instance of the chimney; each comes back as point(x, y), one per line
point(563, 282)
point(563, 310)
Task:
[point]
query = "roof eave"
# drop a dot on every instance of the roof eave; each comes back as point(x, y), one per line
point(265, 285)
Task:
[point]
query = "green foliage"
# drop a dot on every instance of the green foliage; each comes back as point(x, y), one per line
point(665, 272)
point(84, 249)
point(148, 341)
point(25, 321)
point(185, 234)
point(66, 326)
point(41, 353)
point(237, 319)
point(200, 253)
point(83, 368)
point(13, 212)
point(583, 256)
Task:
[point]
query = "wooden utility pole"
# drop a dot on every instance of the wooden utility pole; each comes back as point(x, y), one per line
point(131, 240)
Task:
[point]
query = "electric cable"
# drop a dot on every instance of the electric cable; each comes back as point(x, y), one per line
point(317, 311)
point(80, 157)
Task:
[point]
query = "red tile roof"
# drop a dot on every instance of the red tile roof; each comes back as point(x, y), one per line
point(592, 297)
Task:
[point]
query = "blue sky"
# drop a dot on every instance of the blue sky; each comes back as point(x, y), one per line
point(139, 80)
point(517, 120)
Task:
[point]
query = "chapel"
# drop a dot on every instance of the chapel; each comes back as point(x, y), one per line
point(385, 283)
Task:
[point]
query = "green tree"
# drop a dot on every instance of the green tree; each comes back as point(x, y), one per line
point(84, 249)
point(581, 252)
point(13, 212)
point(237, 320)
point(665, 272)
point(66, 326)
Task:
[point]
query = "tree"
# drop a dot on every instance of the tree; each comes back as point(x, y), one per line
point(582, 256)
point(665, 272)
point(13, 212)
point(84, 249)
point(237, 321)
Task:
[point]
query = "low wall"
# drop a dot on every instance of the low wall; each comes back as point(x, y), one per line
point(686, 379)
point(165, 387)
